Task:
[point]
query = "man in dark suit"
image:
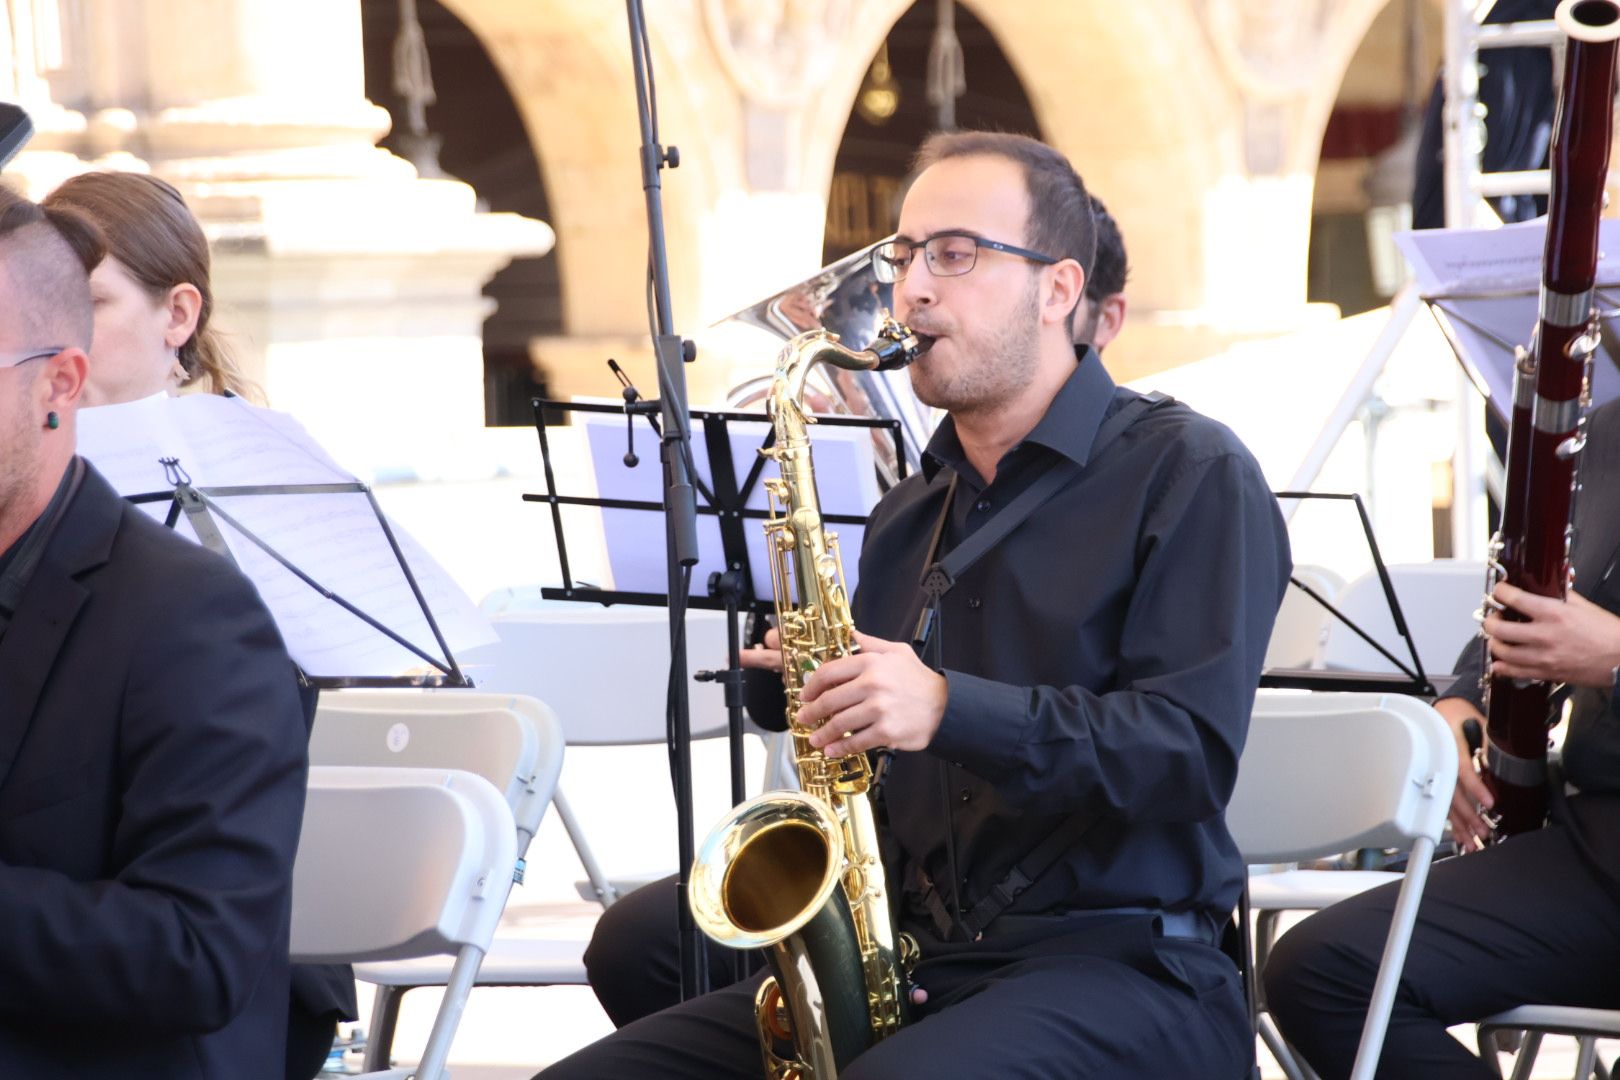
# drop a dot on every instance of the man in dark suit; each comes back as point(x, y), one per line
point(152, 747)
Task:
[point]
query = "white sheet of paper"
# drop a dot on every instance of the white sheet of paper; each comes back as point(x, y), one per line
point(846, 482)
point(335, 539)
point(1484, 285)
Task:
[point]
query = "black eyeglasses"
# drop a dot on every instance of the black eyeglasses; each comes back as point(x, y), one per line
point(12, 359)
point(949, 254)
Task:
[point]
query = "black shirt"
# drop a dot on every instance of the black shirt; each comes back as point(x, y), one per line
point(1101, 660)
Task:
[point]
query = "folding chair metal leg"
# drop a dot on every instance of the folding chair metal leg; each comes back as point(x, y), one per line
point(456, 991)
point(384, 1021)
point(1394, 958)
point(1291, 1066)
point(1526, 1061)
point(605, 892)
point(1586, 1058)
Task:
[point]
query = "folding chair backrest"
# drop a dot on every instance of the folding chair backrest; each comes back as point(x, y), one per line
point(604, 670)
point(396, 863)
point(1326, 773)
point(513, 742)
point(1298, 634)
point(1437, 600)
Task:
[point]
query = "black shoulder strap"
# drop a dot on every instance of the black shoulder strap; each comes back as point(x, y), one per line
point(938, 577)
point(937, 580)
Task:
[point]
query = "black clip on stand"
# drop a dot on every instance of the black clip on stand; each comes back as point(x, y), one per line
point(201, 510)
point(680, 529)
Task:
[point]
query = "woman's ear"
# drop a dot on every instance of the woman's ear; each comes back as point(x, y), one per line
point(183, 305)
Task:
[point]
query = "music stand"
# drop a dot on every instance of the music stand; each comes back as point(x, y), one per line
point(725, 496)
point(1411, 680)
point(1483, 286)
point(201, 509)
point(354, 600)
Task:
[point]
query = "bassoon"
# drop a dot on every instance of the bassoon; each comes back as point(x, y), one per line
point(1550, 392)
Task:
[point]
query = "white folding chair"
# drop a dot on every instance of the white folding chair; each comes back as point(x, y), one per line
point(604, 672)
point(513, 742)
point(1438, 600)
point(430, 877)
point(1298, 635)
point(1586, 1026)
point(1326, 773)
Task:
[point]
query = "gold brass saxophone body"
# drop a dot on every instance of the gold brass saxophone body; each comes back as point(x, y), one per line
point(799, 873)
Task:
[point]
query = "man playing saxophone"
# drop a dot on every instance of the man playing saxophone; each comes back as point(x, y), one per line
point(1066, 741)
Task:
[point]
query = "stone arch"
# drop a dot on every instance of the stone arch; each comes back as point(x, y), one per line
point(1153, 152)
point(569, 69)
point(1351, 116)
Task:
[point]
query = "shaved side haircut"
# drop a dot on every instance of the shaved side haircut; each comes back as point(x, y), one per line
point(46, 257)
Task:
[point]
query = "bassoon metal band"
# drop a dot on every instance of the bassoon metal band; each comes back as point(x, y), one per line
point(1565, 309)
point(1521, 772)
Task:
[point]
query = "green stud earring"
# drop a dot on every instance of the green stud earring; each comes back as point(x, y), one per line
point(52, 421)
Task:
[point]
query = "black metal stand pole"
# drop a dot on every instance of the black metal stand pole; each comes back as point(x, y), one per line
point(680, 504)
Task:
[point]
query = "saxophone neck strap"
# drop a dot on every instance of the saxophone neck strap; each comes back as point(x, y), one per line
point(971, 924)
point(941, 574)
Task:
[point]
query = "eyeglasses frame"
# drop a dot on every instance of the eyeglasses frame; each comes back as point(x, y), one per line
point(23, 356)
point(880, 265)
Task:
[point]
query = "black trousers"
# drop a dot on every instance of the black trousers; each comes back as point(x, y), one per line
point(1528, 921)
point(634, 962)
point(1105, 1001)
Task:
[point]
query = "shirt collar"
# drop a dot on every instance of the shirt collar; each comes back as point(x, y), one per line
point(1069, 426)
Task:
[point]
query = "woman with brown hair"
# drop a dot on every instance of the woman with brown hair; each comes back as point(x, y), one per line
point(153, 299)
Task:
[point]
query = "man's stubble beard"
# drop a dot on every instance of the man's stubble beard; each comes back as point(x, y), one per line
point(997, 371)
point(20, 455)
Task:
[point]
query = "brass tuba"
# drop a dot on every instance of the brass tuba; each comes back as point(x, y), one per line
point(799, 873)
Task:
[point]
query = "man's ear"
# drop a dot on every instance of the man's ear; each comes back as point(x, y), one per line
point(64, 377)
point(1110, 320)
point(1066, 286)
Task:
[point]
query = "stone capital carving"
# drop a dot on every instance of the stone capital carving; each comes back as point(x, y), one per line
point(777, 52)
point(1272, 49)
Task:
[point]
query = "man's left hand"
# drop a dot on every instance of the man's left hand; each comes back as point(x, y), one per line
point(883, 696)
point(1569, 641)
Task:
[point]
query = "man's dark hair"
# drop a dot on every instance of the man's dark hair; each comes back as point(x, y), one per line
point(46, 256)
point(1109, 275)
point(1060, 218)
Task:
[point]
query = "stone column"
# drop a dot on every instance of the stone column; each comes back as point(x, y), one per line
point(349, 287)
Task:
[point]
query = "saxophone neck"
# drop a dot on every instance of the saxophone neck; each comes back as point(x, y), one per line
point(895, 346)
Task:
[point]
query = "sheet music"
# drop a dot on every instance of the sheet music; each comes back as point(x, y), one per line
point(1484, 286)
point(846, 481)
point(333, 538)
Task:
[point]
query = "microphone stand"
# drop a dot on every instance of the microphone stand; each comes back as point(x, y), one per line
point(680, 504)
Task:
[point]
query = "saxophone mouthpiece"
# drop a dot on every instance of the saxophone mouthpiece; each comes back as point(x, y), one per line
point(897, 345)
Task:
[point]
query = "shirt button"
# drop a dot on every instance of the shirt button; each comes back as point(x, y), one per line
point(967, 796)
point(975, 602)
point(982, 506)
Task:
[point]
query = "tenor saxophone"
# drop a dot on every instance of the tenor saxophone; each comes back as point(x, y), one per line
point(798, 873)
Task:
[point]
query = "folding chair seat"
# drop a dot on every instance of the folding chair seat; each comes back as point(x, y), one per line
point(1587, 1026)
point(516, 744)
point(1327, 773)
point(604, 671)
point(429, 877)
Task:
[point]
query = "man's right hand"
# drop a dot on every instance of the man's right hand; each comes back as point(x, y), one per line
point(1468, 825)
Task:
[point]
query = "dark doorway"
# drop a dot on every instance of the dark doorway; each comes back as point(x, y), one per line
point(869, 173)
